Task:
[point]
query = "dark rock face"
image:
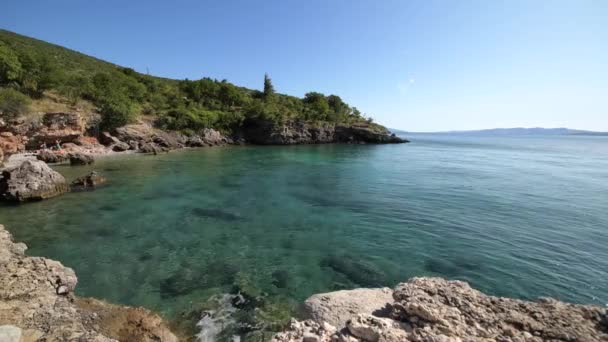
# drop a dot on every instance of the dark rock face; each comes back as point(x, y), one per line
point(106, 139)
point(298, 132)
point(51, 157)
point(80, 159)
point(30, 181)
point(89, 181)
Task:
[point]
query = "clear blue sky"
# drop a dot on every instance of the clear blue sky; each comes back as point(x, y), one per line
point(414, 65)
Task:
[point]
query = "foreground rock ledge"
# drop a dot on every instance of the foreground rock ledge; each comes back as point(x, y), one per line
point(437, 310)
point(37, 304)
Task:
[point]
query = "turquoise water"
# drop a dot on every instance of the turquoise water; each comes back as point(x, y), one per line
point(522, 217)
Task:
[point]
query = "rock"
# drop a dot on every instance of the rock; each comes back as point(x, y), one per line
point(120, 147)
point(9, 333)
point(36, 295)
point(81, 159)
point(51, 157)
point(89, 181)
point(299, 132)
point(434, 309)
point(336, 308)
point(31, 180)
point(133, 145)
point(368, 327)
point(11, 144)
point(65, 127)
point(213, 137)
point(106, 139)
point(148, 148)
point(86, 141)
point(195, 141)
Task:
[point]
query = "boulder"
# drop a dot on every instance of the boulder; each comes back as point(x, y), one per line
point(31, 180)
point(336, 308)
point(89, 181)
point(120, 147)
point(51, 157)
point(81, 159)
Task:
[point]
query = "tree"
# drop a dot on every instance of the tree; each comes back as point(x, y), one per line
point(268, 87)
point(10, 67)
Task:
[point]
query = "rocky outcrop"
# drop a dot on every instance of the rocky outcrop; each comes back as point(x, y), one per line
point(62, 127)
point(89, 181)
point(298, 132)
point(31, 180)
point(434, 309)
point(37, 304)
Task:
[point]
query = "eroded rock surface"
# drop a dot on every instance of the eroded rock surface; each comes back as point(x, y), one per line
point(37, 302)
point(434, 309)
point(31, 180)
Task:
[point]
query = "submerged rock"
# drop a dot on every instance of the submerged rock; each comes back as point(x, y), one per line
point(434, 309)
point(31, 180)
point(37, 300)
point(89, 181)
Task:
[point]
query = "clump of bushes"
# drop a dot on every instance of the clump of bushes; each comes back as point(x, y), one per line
point(12, 103)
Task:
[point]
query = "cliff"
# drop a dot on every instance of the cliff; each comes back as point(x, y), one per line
point(434, 309)
point(300, 132)
point(37, 304)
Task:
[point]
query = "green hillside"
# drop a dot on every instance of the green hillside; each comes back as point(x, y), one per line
point(29, 68)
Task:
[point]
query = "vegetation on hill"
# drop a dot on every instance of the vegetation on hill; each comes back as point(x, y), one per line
point(30, 67)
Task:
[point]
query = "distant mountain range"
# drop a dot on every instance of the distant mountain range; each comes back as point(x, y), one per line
point(511, 131)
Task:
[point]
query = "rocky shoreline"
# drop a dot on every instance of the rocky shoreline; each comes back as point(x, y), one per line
point(78, 136)
point(434, 309)
point(37, 303)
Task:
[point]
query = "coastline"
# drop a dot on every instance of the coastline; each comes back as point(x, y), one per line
point(37, 302)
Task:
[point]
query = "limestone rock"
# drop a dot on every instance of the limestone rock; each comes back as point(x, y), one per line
point(31, 180)
point(36, 299)
point(336, 308)
point(434, 309)
point(9, 333)
point(77, 158)
point(65, 127)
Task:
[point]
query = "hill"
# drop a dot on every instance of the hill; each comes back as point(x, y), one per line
point(30, 69)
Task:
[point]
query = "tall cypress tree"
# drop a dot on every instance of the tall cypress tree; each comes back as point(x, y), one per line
point(268, 87)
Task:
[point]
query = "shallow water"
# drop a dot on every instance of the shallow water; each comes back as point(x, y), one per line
point(522, 217)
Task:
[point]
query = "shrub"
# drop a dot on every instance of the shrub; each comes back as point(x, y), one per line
point(12, 103)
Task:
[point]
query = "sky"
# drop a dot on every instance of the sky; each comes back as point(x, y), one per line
point(412, 65)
